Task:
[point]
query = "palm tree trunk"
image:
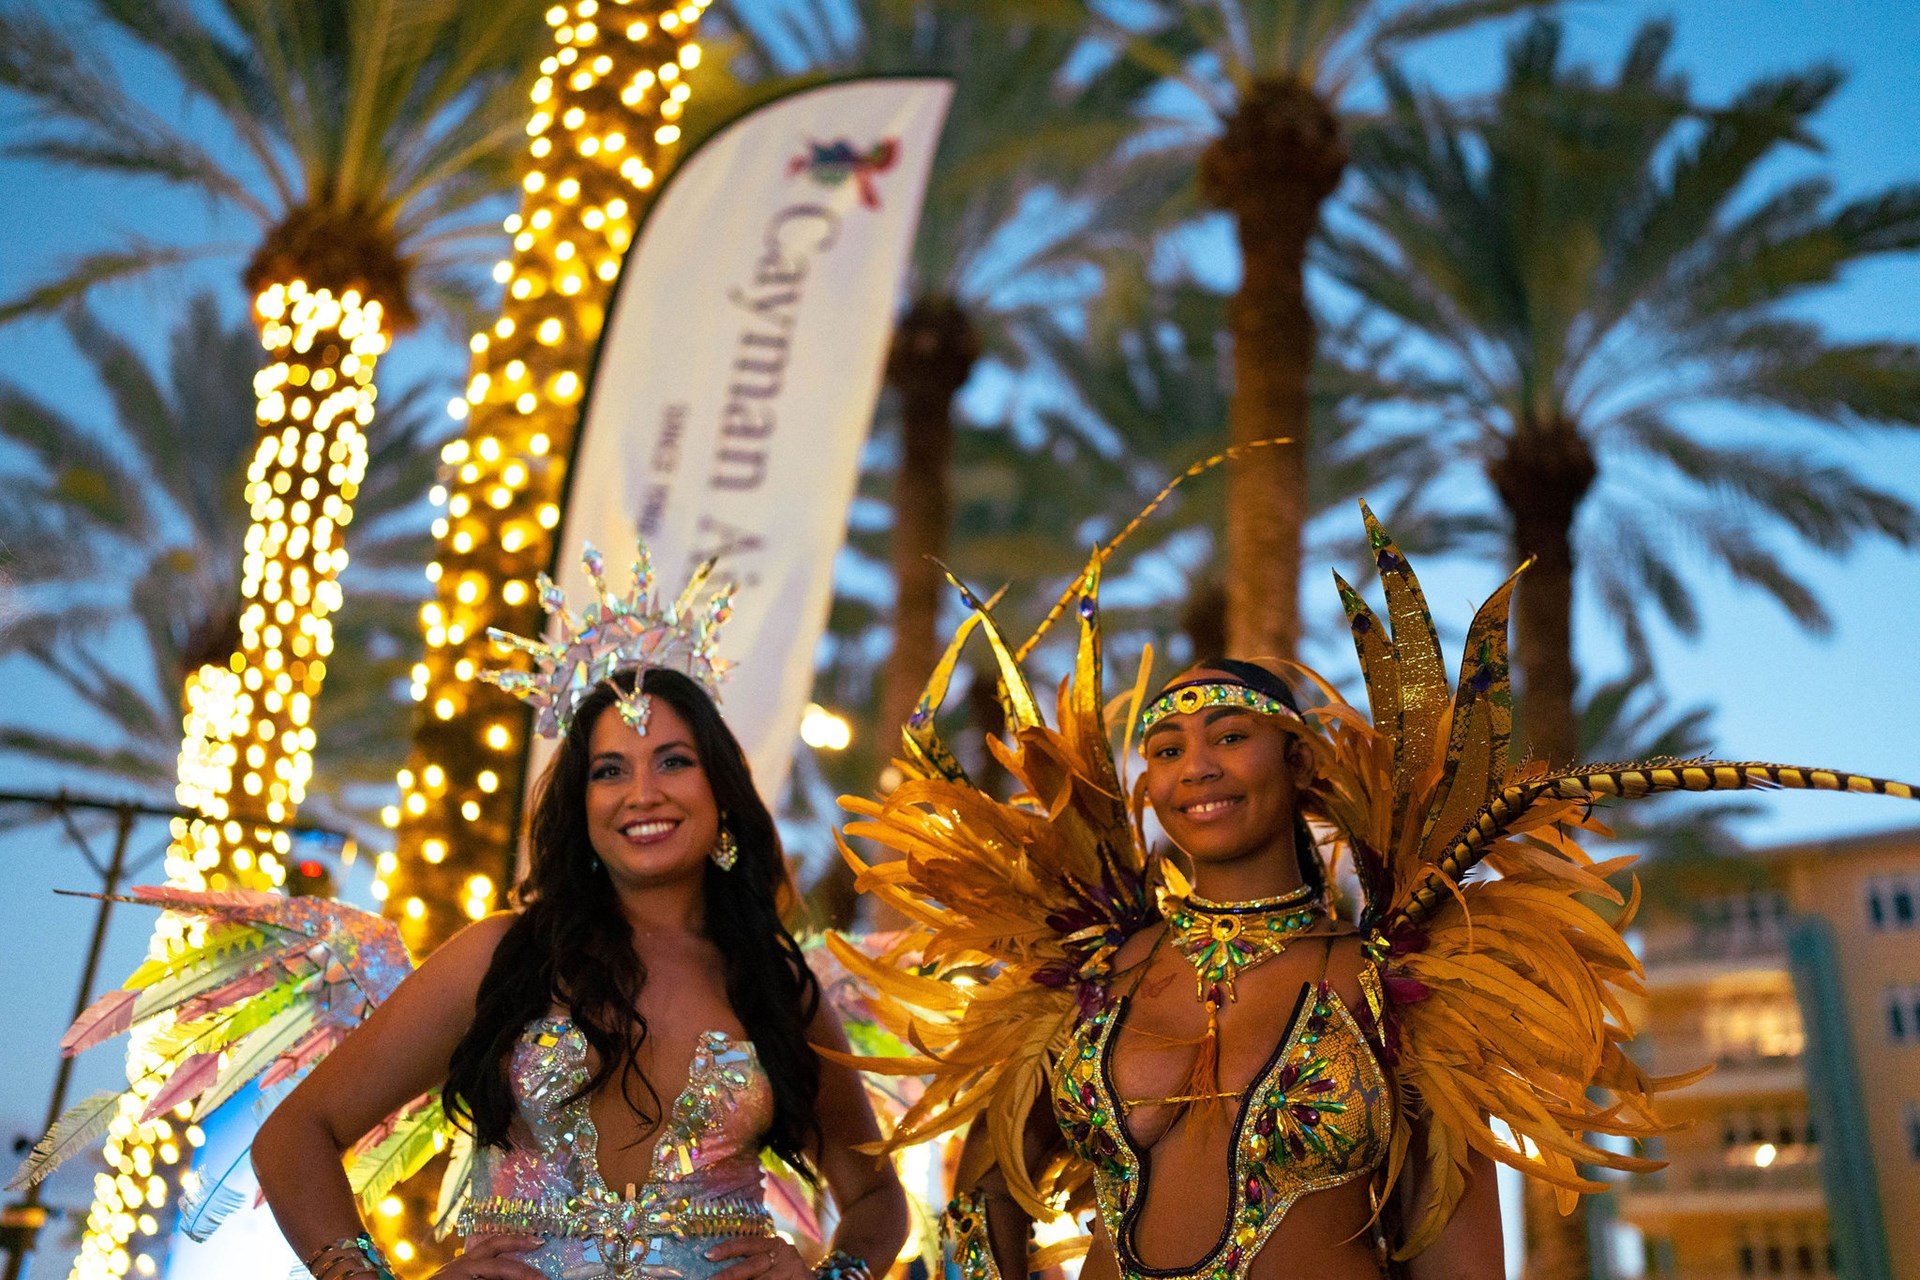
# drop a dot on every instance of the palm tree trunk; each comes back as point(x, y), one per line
point(934, 350)
point(1542, 479)
point(1279, 158)
point(933, 354)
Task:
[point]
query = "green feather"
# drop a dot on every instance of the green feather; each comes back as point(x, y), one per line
point(248, 1060)
point(416, 1139)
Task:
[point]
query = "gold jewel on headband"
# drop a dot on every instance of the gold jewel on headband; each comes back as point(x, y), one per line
point(1185, 699)
point(614, 633)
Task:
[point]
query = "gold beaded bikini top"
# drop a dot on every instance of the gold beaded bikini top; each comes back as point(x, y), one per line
point(1320, 1112)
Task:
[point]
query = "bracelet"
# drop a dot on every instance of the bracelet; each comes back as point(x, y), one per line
point(841, 1265)
point(348, 1257)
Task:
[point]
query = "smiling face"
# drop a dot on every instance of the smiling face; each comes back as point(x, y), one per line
point(651, 815)
point(1222, 781)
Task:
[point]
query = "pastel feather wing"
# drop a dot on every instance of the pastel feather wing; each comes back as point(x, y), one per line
point(264, 985)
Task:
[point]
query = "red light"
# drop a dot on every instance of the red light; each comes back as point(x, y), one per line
point(312, 870)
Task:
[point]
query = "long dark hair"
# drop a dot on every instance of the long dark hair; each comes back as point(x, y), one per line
point(1313, 872)
point(572, 946)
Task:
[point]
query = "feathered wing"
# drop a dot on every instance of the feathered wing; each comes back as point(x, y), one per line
point(1504, 995)
point(1013, 906)
point(265, 987)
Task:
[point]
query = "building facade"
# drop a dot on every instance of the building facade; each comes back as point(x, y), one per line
point(1802, 1151)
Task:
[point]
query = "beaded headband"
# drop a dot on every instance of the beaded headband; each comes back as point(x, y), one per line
point(1185, 699)
point(615, 633)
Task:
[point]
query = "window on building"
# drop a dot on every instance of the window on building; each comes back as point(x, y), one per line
point(1903, 1014)
point(1893, 902)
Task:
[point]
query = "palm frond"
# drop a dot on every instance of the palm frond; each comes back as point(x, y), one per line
point(92, 270)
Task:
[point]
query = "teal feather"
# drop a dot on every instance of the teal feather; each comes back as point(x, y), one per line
point(76, 1129)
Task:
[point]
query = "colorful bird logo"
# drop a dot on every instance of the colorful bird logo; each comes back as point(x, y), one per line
point(832, 163)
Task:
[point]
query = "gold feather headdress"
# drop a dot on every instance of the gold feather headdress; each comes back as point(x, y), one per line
point(1504, 994)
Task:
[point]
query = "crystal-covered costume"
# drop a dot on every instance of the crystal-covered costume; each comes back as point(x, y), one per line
point(262, 986)
point(705, 1184)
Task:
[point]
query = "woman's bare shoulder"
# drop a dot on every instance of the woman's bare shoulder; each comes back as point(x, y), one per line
point(1346, 956)
point(468, 953)
point(1136, 949)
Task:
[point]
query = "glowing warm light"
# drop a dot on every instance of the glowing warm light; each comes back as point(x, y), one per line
point(1764, 1155)
point(823, 730)
point(246, 753)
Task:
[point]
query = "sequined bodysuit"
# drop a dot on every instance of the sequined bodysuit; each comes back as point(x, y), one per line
point(1320, 1112)
point(705, 1184)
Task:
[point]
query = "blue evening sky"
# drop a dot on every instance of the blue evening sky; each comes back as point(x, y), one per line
point(1847, 700)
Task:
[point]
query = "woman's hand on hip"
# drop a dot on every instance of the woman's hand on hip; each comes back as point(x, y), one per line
point(761, 1258)
point(492, 1257)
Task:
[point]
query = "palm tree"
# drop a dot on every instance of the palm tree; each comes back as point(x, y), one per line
point(1583, 264)
point(1589, 261)
point(1267, 144)
point(999, 238)
point(1153, 384)
point(367, 142)
point(119, 541)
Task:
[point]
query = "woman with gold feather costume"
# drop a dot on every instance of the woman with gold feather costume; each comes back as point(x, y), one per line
point(1375, 1071)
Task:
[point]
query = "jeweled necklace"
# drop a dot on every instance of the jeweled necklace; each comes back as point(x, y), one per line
point(1221, 940)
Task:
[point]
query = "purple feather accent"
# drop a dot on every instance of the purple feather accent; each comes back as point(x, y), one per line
point(309, 1049)
point(1405, 990)
point(239, 989)
point(189, 1080)
point(104, 1019)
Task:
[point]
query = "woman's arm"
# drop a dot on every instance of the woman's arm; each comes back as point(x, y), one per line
point(873, 1208)
point(1470, 1246)
point(1009, 1227)
point(399, 1053)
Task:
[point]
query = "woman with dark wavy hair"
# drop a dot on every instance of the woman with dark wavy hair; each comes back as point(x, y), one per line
point(623, 1047)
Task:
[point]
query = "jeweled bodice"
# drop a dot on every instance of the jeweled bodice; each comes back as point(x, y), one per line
point(1319, 1113)
point(705, 1183)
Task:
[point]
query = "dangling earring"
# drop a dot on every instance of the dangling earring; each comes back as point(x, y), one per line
point(726, 850)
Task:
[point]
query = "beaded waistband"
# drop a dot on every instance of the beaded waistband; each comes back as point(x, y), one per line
point(629, 1221)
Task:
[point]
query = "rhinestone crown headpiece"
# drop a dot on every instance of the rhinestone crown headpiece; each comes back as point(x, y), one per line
point(614, 633)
